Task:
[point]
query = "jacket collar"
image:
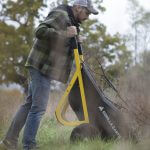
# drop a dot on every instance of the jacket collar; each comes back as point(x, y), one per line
point(72, 18)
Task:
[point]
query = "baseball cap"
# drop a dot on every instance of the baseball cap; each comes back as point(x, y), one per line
point(88, 4)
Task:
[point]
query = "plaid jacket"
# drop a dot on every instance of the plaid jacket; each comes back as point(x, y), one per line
point(51, 53)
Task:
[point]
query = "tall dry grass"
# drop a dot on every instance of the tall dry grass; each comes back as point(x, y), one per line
point(9, 101)
point(134, 88)
point(54, 99)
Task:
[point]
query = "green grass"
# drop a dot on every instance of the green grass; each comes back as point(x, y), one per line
point(53, 136)
point(56, 137)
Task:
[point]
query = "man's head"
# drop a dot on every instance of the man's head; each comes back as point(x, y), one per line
point(83, 8)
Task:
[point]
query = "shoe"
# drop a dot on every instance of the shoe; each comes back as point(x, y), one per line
point(6, 145)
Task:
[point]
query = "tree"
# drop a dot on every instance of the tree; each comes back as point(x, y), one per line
point(17, 25)
point(109, 50)
point(139, 35)
point(16, 28)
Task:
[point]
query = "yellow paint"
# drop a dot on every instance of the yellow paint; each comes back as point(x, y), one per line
point(63, 104)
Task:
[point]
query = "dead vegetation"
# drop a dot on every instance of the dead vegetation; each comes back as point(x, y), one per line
point(9, 101)
point(133, 87)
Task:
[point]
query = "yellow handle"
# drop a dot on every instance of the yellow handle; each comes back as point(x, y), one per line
point(63, 104)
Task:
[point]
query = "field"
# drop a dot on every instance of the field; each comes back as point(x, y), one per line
point(52, 135)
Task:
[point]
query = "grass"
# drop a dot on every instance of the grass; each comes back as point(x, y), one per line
point(56, 137)
point(52, 135)
point(9, 102)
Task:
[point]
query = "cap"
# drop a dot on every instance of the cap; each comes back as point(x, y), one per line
point(88, 4)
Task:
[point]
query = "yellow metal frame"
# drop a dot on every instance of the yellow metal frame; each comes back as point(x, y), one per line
point(63, 104)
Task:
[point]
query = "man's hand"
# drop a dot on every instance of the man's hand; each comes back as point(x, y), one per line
point(80, 39)
point(71, 31)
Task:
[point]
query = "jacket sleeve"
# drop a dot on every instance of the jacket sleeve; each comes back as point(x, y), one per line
point(54, 25)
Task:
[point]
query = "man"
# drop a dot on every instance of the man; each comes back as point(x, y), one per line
point(50, 59)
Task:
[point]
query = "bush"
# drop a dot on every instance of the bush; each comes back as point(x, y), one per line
point(134, 87)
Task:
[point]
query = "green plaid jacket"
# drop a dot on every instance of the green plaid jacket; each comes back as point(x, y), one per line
point(50, 53)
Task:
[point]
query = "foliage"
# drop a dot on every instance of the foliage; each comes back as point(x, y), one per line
point(139, 36)
point(16, 27)
point(52, 135)
point(57, 137)
point(134, 87)
point(104, 49)
point(18, 19)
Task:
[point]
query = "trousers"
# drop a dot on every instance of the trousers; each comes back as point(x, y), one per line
point(30, 113)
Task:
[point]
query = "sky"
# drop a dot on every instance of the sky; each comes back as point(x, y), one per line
point(116, 16)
